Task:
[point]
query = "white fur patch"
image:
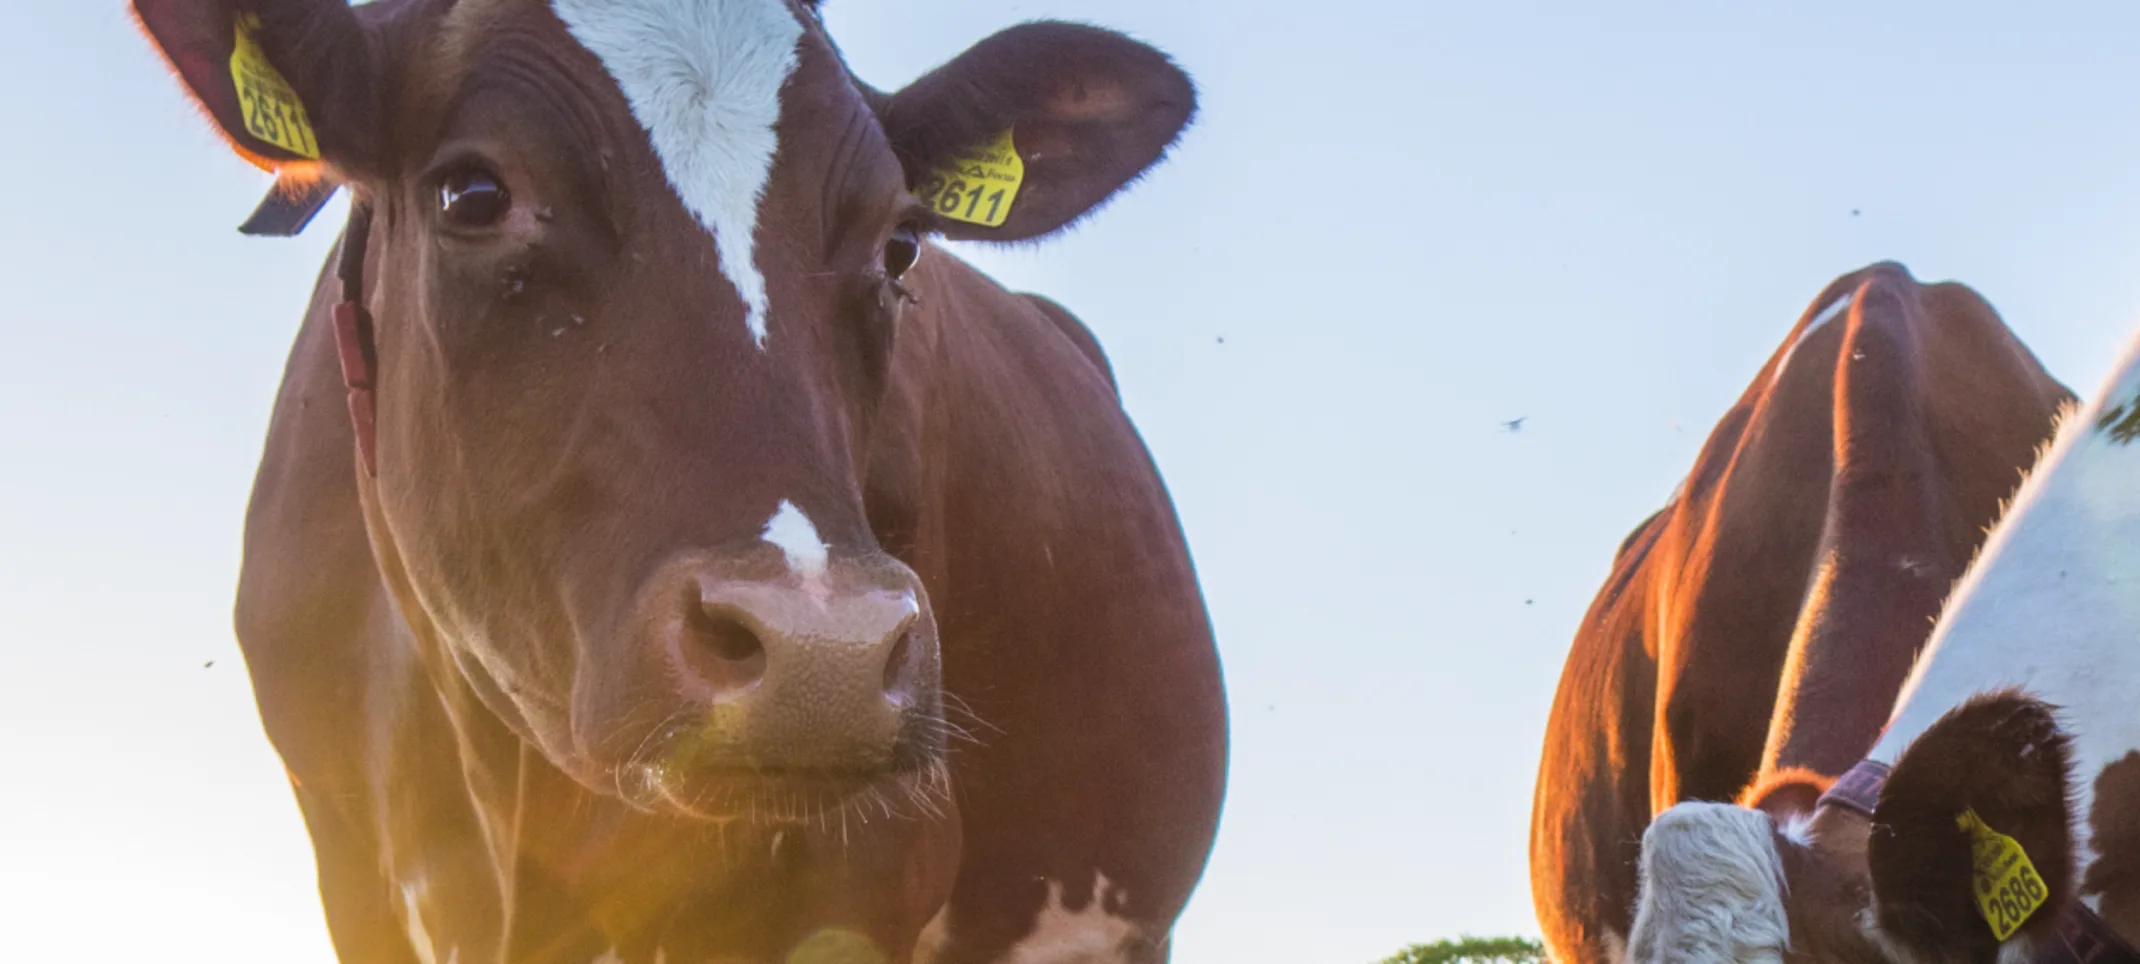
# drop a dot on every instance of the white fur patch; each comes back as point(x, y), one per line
point(419, 936)
point(703, 77)
point(792, 533)
point(1834, 310)
point(1711, 889)
point(1092, 935)
point(935, 935)
point(1798, 829)
point(2052, 604)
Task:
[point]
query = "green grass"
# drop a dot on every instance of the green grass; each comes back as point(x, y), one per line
point(1473, 950)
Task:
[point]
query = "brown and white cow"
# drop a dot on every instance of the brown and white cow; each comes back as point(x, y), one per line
point(2021, 711)
point(1790, 581)
point(627, 595)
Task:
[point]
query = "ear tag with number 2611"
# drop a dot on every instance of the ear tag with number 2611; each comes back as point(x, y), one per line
point(977, 187)
point(273, 114)
point(2003, 881)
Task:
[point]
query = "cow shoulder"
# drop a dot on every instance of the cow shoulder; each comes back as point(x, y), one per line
point(1079, 335)
point(307, 587)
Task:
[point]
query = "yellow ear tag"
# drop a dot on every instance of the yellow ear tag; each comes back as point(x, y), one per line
point(272, 111)
point(978, 188)
point(2004, 882)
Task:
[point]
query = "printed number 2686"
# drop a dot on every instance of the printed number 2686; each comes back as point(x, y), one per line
point(2020, 895)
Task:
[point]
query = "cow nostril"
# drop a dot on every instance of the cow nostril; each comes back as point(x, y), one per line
point(720, 651)
point(727, 638)
point(898, 676)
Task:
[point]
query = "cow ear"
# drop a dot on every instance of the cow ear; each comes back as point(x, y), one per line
point(289, 82)
point(1057, 117)
point(1998, 763)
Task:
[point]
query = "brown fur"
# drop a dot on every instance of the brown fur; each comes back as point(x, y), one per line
point(1787, 792)
point(2114, 822)
point(462, 660)
point(1763, 621)
point(1826, 889)
point(2003, 755)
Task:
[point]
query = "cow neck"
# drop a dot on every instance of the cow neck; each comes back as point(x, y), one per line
point(2082, 936)
point(354, 339)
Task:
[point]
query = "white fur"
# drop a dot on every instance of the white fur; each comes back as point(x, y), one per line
point(420, 939)
point(704, 77)
point(1711, 889)
point(1798, 829)
point(1834, 310)
point(792, 533)
point(1093, 935)
point(935, 936)
point(2052, 604)
point(2020, 950)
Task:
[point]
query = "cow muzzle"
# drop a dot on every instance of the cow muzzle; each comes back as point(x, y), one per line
point(827, 677)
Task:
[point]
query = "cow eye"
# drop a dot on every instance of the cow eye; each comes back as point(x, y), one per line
point(901, 251)
point(473, 197)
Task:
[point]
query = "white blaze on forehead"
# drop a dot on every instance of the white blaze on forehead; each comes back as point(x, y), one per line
point(1711, 888)
point(1090, 935)
point(1834, 310)
point(791, 532)
point(703, 77)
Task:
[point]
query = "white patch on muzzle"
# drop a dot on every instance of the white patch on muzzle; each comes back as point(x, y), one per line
point(790, 531)
point(1712, 889)
point(703, 77)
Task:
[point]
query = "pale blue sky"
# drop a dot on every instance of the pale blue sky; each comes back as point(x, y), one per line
point(1409, 221)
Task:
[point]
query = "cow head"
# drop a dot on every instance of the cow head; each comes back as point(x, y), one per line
point(1723, 882)
point(639, 270)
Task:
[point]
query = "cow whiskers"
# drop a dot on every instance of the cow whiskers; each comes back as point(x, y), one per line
point(955, 703)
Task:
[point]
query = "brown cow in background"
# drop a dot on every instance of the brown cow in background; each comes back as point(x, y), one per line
point(1762, 622)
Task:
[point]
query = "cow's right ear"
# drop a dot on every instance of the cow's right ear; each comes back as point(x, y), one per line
point(289, 82)
point(1035, 127)
point(1996, 765)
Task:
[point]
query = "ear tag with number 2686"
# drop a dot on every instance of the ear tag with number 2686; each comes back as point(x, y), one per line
point(2003, 881)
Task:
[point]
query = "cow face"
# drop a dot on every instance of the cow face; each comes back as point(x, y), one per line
point(640, 270)
point(1725, 882)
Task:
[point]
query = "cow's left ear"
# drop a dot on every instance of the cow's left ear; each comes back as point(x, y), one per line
point(289, 82)
point(1980, 794)
point(1035, 127)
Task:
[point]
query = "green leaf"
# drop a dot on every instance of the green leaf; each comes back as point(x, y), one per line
point(1473, 950)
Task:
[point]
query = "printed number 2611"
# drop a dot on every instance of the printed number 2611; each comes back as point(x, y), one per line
point(961, 200)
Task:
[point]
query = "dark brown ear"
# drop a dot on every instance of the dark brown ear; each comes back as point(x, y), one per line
point(287, 81)
point(2003, 756)
point(1089, 110)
